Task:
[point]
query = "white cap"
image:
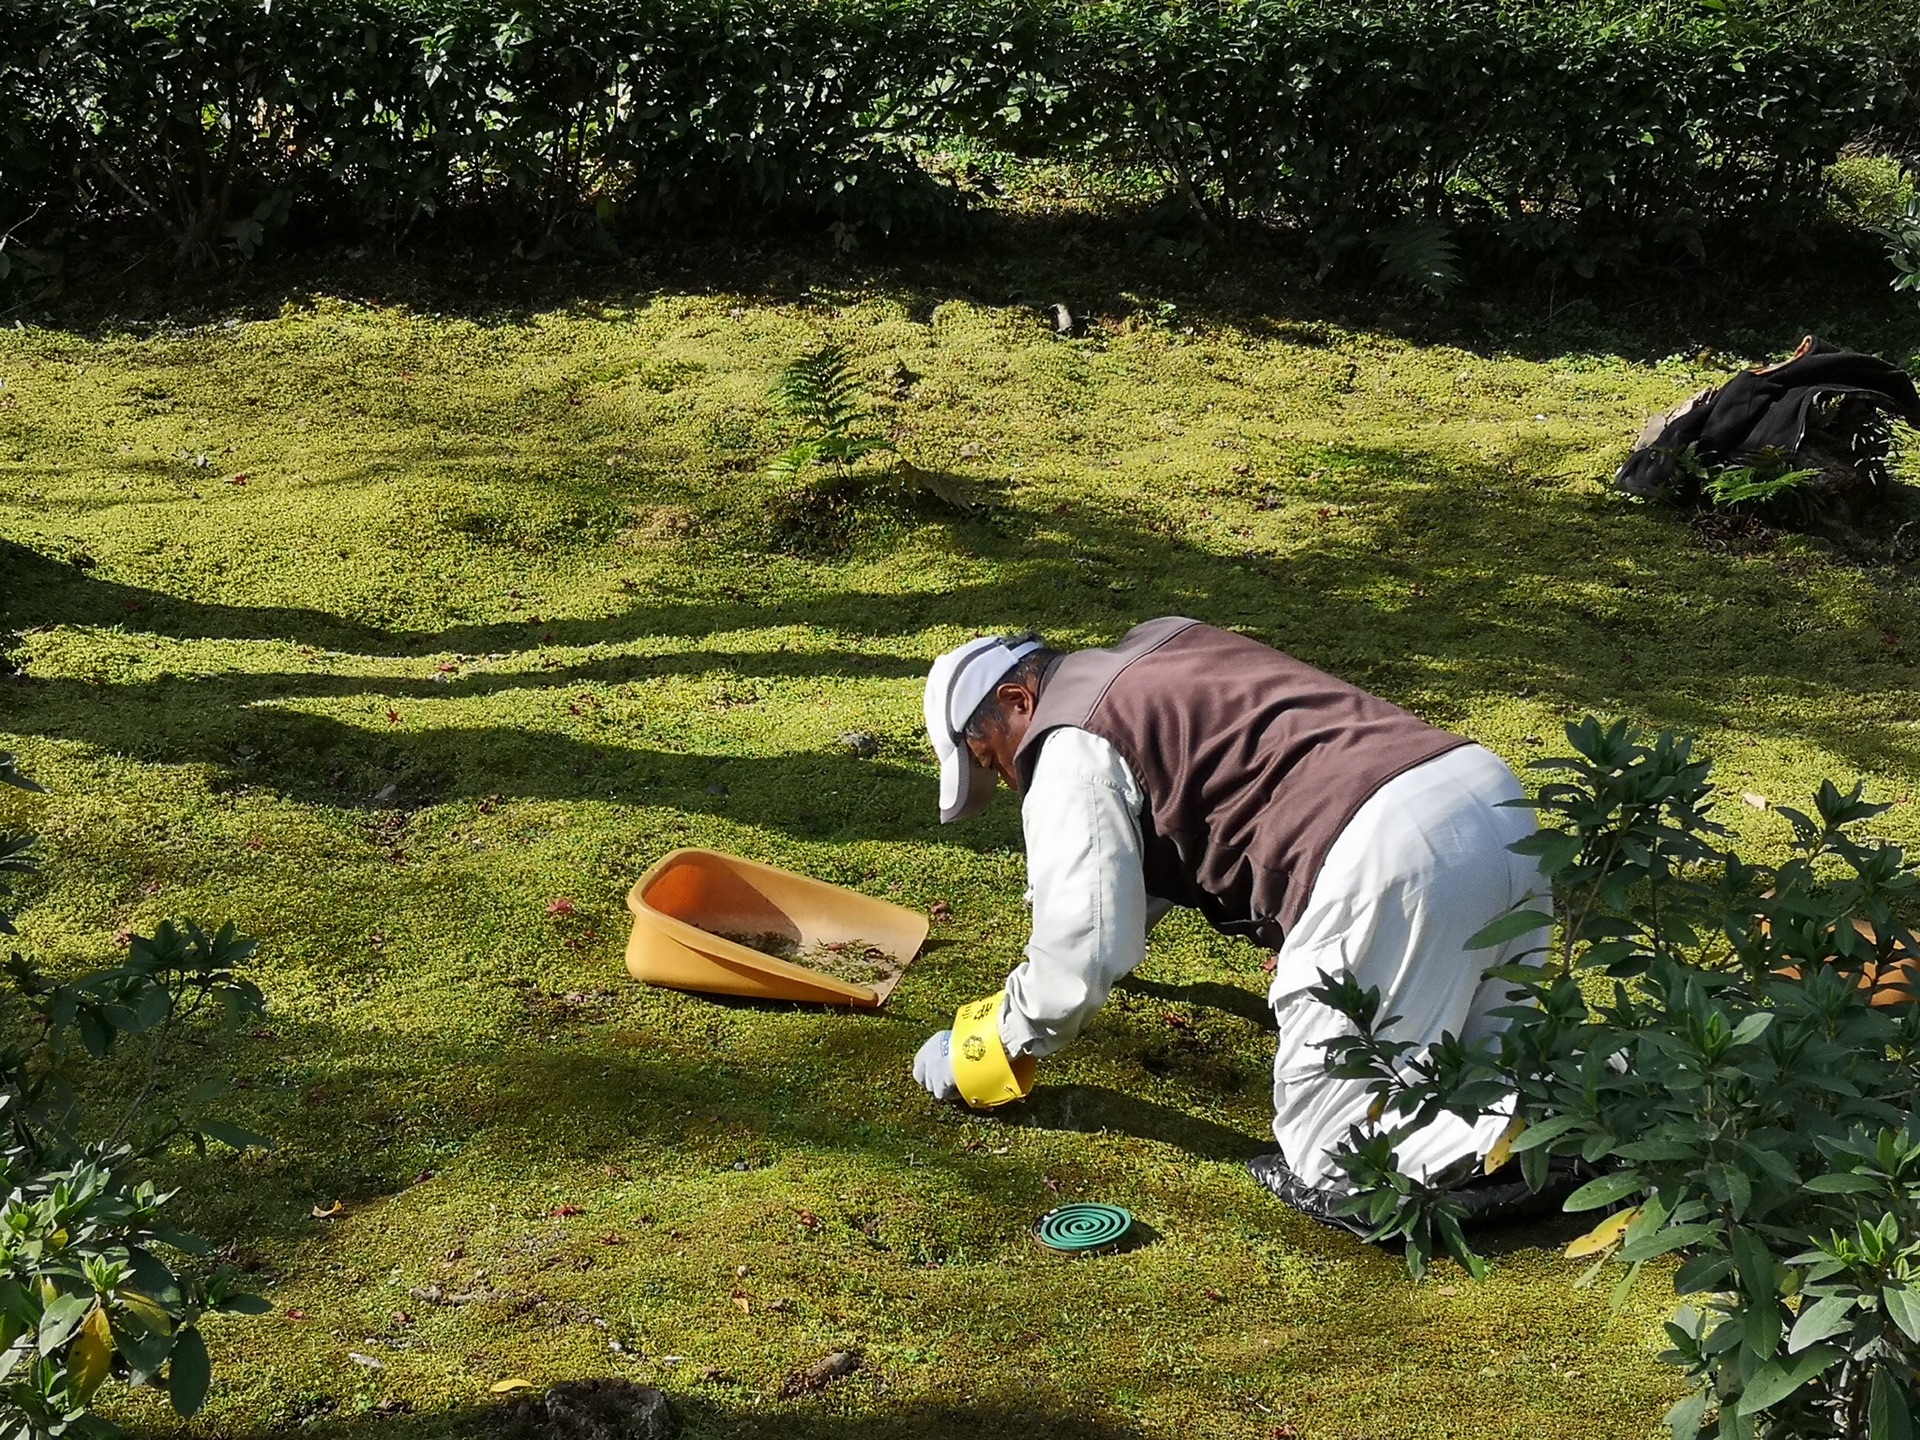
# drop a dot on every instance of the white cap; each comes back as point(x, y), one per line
point(958, 682)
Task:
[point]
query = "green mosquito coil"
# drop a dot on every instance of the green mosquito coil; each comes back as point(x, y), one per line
point(1075, 1229)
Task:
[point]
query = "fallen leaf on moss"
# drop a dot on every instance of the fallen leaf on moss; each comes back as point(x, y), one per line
point(329, 1212)
point(507, 1387)
point(819, 1375)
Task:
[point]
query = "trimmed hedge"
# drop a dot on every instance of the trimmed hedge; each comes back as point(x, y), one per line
point(216, 119)
point(1545, 130)
point(1541, 129)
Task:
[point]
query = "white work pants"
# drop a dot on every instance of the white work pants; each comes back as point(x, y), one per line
point(1420, 867)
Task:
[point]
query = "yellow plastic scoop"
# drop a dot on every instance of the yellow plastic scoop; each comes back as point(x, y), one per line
point(703, 920)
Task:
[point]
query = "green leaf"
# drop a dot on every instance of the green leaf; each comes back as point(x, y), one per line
point(60, 1319)
point(190, 1373)
point(1606, 1190)
point(1903, 1308)
point(150, 1314)
point(1557, 849)
point(151, 1006)
point(1701, 1273)
point(1889, 1416)
point(245, 1303)
point(179, 1239)
point(1756, 1265)
point(94, 1033)
point(207, 1090)
point(1752, 1027)
point(1663, 1242)
point(233, 1135)
point(1843, 1183)
point(1546, 1131)
point(1761, 1327)
point(1683, 1420)
point(1739, 1188)
point(1624, 1289)
point(788, 465)
point(1660, 1149)
point(1510, 926)
point(144, 1350)
point(1778, 1379)
point(1820, 1320)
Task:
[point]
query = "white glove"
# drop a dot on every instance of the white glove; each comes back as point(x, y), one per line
point(933, 1066)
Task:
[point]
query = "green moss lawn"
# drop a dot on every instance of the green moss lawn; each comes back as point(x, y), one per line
point(380, 631)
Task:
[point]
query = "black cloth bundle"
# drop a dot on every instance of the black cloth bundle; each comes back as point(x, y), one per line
point(1770, 409)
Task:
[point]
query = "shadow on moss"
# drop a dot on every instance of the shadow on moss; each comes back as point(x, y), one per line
point(697, 1418)
point(1558, 607)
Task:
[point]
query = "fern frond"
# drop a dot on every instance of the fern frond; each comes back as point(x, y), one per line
point(844, 449)
point(1419, 256)
point(1740, 485)
point(788, 466)
point(818, 387)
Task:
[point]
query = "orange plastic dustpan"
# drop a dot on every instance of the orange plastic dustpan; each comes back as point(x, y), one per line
point(687, 905)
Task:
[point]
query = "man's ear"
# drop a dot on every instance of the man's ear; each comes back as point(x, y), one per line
point(1014, 699)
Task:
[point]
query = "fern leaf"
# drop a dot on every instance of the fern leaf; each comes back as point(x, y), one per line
point(844, 449)
point(787, 467)
point(818, 387)
point(1741, 486)
point(1420, 256)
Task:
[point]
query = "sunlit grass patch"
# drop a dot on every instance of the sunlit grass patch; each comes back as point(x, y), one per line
point(378, 633)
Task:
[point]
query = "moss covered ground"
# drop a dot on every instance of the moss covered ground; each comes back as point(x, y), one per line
point(381, 625)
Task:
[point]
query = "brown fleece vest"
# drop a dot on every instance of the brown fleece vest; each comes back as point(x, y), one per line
point(1252, 762)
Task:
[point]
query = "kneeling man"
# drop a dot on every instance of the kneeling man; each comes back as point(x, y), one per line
point(1188, 765)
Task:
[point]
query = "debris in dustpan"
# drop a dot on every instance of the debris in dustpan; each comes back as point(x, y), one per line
point(704, 920)
point(854, 961)
point(772, 942)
